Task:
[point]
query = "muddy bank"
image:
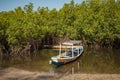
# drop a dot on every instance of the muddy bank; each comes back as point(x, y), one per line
point(18, 74)
point(92, 77)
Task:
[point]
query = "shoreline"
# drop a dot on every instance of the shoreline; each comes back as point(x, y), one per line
point(96, 76)
point(57, 46)
point(19, 74)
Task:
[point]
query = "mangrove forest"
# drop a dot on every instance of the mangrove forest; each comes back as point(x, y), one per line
point(95, 22)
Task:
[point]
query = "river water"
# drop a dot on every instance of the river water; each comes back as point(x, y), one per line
point(91, 61)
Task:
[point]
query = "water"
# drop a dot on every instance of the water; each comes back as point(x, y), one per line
point(91, 61)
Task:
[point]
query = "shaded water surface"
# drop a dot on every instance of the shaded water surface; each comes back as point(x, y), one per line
point(91, 61)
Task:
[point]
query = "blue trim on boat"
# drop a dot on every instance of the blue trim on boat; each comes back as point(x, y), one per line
point(57, 63)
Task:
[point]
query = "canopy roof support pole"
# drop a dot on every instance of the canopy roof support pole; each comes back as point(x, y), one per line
point(78, 49)
point(65, 51)
point(72, 51)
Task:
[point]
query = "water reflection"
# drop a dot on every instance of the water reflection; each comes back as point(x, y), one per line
point(91, 61)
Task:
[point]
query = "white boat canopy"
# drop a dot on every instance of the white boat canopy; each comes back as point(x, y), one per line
point(71, 42)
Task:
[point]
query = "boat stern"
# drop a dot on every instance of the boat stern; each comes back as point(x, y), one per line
point(54, 60)
point(57, 63)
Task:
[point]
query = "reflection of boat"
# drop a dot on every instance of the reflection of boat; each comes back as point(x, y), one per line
point(73, 53)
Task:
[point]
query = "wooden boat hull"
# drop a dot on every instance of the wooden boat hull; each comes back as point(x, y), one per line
point(68, 56)
point(63, 61)
point(60, 61)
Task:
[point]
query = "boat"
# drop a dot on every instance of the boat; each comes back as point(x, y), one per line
point(74, 51)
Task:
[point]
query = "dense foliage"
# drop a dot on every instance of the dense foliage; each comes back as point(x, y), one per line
point(96, 22)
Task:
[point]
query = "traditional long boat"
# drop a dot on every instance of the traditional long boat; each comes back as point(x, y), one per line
point(76, 49)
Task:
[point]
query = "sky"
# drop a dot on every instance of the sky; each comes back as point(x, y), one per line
point(7, 5)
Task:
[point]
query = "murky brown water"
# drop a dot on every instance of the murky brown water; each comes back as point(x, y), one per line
point(91, 61)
